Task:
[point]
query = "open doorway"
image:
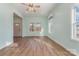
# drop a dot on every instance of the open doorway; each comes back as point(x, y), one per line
point(17, 26)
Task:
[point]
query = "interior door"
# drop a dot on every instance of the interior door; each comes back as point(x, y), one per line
point(17, 26)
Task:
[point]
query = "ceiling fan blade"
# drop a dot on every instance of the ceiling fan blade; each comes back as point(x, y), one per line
point(34, 10)
point(30, 5)
point(27, 9)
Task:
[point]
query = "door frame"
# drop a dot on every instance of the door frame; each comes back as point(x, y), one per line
point(15, 14)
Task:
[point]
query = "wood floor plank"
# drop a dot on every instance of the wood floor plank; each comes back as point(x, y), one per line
point(35, 46)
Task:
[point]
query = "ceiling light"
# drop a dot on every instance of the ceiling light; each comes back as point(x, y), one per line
point(30, 7)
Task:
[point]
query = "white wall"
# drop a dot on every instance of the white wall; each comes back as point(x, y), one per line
point(61, 29)
point(6, 24)
point(36, 19)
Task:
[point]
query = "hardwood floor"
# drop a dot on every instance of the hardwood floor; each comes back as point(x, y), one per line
point(35, 46)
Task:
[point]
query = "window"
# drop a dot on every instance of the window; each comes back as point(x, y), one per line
point(50, 25)
point(75, 22)
point(35, 27)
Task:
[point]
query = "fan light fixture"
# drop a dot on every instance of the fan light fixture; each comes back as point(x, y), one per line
point(30, 7)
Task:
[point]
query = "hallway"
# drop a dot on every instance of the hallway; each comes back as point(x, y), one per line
point(35, 46)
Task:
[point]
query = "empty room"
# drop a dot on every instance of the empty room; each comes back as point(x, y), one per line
point(39, 29)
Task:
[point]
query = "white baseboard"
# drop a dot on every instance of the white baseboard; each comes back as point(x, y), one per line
point(34, 35)
point(6, 44)
point(73, 51)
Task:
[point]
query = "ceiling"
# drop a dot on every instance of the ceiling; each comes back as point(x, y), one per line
point(44, 10)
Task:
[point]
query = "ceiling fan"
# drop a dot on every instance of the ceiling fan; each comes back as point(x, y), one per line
point(31, 7)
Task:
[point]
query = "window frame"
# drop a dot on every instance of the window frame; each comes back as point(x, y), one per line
point(74, 23)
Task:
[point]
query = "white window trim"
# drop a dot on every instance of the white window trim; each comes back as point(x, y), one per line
point(49, 27)
point(73, 28)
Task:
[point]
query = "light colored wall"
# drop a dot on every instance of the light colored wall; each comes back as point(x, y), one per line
point(61, 29)
point(6, 24)
point(32, 18)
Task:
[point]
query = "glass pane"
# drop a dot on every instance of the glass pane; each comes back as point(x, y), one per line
point(77, 13)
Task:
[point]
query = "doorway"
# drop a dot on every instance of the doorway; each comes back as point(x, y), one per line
point(17, 26)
